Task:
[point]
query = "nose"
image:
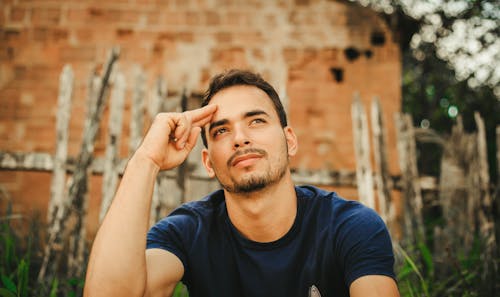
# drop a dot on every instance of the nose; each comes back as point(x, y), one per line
point(240, 138)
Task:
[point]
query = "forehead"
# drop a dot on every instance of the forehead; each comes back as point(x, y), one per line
point(235, 101)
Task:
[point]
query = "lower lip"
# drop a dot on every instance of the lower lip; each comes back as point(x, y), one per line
point(246, 162)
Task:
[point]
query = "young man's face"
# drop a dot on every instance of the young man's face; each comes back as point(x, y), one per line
point(247, 147)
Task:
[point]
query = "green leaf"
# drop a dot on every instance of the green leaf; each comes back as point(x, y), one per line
point(6, 293)
point(9, 284)
point(23, 277)
point(427, 257)
point(53, 289)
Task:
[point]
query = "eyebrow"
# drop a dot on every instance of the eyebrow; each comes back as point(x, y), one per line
point(246, 115)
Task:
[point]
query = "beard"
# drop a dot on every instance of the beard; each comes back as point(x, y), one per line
point(258, 180)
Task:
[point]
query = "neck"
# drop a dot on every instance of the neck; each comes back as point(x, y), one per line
point(265, 215)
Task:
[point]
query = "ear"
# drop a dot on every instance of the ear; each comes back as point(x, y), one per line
point(207, 163)
point(291, 141)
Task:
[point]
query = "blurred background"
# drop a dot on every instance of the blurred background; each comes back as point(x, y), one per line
point(395, 103)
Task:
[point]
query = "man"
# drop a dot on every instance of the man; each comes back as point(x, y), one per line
point(258, 236)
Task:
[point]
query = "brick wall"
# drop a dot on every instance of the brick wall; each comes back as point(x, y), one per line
point(319, 51)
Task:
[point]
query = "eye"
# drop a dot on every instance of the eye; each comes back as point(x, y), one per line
point(218, 132)
point(257, 121)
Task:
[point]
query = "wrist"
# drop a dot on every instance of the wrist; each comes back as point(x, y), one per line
point(139, 159)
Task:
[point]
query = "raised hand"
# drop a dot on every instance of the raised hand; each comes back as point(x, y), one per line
point(173, 135)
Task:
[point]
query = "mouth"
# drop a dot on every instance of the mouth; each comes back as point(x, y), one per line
point(245, 158)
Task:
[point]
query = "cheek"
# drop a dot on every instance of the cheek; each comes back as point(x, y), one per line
point(218, 158)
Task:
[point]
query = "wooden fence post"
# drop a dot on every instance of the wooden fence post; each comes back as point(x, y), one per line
point(160, 190)
point(112, 155)
point(66, 81)
point(454, 198)
point(137, 110)
point(458, 197)
point(413, 219)
point(382, 175)
point(70, 218)
point(496, 197)
point(362, 152)
point(484, 210)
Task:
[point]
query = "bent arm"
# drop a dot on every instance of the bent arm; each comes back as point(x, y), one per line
point(164, 271)
point(374, 286)
point(117, 264)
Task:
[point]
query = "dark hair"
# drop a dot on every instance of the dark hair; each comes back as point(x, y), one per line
point(237, 77)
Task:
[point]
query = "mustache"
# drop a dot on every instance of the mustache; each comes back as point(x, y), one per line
point(244, 152)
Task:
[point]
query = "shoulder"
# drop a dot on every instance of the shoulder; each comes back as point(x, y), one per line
point(349, 221)
point(191, 215)
point(360, 240)
point(340, 209)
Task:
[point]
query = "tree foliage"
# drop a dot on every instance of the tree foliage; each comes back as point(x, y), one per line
point(451, 63)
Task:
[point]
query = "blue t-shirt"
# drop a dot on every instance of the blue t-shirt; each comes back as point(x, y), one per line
point(331, 243)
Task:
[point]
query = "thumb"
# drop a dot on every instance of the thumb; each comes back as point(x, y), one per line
point(193, 136)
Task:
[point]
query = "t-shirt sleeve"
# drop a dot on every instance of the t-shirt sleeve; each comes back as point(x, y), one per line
point(366, 247)
point(173, 234)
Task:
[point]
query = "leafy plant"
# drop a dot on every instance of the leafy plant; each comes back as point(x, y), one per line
point(20, 258)
point(458, 277)
point(180, 291)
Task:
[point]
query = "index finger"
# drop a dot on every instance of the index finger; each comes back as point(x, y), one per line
point(201, 116)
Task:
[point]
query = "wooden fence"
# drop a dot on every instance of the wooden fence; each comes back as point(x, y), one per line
point(463, 191)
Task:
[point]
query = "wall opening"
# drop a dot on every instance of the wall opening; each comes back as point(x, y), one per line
point(351, 53)
point(377, 38)
point(337, 73)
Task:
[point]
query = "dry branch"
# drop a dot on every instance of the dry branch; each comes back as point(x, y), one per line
point(362, 153)
point(68, 219)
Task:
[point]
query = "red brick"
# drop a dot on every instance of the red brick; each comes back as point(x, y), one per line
point(248, 37)
point(154, 18)
point(173, 18)
point(41, 34)
point(83, 53)
point(124, 33)
point(11, 35)
point(184, 36)
point(77, 16)
point(129, 16)
point(212, 18)
point(150, 33)
point(45, 16)
point(17, 14)
point(59, 34)
point(223, 37)
point(194, 18)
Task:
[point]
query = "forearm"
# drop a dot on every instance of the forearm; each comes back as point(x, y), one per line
point(117, 265)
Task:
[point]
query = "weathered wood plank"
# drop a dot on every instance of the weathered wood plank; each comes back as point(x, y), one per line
point(485, 209)
point(412, 196)
point(137, 110)
point(382, 175)
point(44, 162)
point(110, 176)
point(156, 106)
point(58, 183)
point(362, 152)
point(26, 161)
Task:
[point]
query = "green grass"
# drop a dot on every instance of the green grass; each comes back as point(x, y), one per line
point(418, 273)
